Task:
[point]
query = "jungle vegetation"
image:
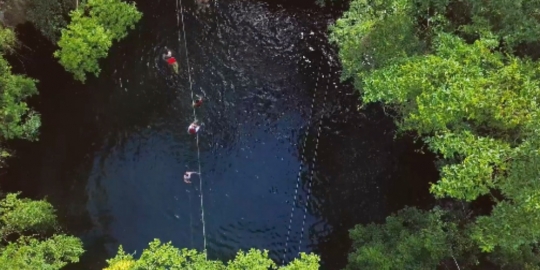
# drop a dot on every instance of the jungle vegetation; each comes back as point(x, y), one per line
point(463, 76)
point(93, 28)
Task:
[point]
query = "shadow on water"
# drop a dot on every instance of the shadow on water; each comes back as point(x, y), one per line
point(112, 153)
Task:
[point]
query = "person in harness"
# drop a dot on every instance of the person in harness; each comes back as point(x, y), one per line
point(187, 176)
point(170, 60)
point(198, 102)
point(193, 128)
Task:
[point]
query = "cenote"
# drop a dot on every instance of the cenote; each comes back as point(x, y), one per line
point(112, 152)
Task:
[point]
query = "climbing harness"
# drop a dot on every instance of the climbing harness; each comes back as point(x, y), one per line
point(179, 4)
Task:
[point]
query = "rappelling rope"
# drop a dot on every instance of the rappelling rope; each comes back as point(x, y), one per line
point(190, 220)
point(217, 16)
point(310, 182)
point(301, 166)
point(179, 2)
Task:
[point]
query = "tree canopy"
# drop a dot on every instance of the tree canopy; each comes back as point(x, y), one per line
point(50, 16)
point(412, 239)
point(17, 119)
point(458, 73)
point(166, 256)
point(24, 228)
point(94, 26)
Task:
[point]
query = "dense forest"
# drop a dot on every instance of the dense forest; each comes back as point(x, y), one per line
point(460, 75)
point(463, 76)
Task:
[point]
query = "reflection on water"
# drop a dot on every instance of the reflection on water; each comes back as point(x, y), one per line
point(112, 158)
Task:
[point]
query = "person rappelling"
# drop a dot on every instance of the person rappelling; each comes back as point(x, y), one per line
point(170, 60)
point(187, 177)
point(193, 128)
point(198, 102)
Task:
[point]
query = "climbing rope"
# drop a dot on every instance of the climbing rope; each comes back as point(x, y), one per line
point(310, 181)
point(301, 166)
point(190, 220)
point(179, 3)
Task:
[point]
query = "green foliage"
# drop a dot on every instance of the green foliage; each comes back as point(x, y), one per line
point(19, 215)
point(457, 93)
point(459, 87)
point(82, 44)
point(50, 16)
point(24, 225)
point(305, 262)
point(523, 258)
point(512, 21)
point(91, 32)
point(30, 253)
point(114, 15)
point(473, 176)
point(254, 259)
point(17, 120)
point(514, 222)
point(7, 40)
point(447, 73)
point(373, 33)
point(166, 256)
point(412, 239)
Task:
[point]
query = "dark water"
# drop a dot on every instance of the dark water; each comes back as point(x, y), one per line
point(112, 153)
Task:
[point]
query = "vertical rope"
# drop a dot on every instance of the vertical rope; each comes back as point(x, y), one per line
point(301, 165)
point(313, 160)
point(190, 221)
point(216, 4)
point(195, 117)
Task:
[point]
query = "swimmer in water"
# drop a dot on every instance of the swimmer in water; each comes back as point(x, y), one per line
point(170, 60)
point(187, 176)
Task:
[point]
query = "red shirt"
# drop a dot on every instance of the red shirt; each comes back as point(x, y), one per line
point(193, 129)
point(171, 60)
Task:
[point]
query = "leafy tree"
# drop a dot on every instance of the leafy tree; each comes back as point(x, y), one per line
point(50, 16)
point(30, 253)
point(24, 224)
point(114, 15)
point(457, 94)
point(18, 215)
point(412, 239)
point(91, 32)
point(448, 72)
point(373, 33)
point(166, 256)
point(514, 22)
point(17, 120)
point(7, 40)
